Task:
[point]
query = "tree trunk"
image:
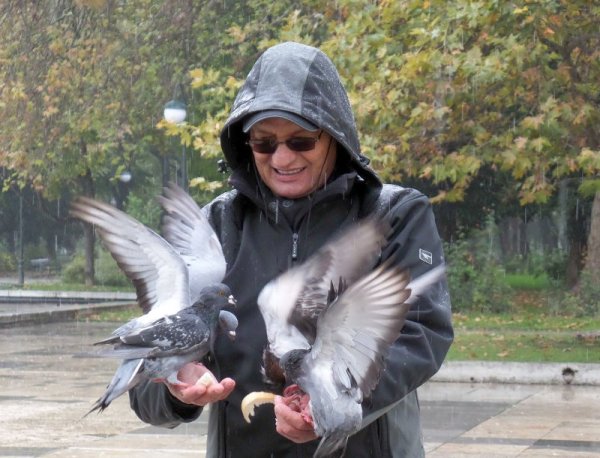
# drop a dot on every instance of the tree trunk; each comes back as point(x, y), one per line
point(89, 240)
point(87, 185)
point(592, 260)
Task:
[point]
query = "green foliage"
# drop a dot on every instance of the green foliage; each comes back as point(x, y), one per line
point(476, 282)
point(528, 282)
point(555, 266)
point(585, 300)
point(548, 267)
point(108, 272)
point(35, 250)
point(445, 93)
point(7, 260)
point(146, 211)
point(73, 271)
point(475, 276)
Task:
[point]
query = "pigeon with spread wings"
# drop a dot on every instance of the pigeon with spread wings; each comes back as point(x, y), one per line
point(291, 303)
point(161, 272)
point(330, 323)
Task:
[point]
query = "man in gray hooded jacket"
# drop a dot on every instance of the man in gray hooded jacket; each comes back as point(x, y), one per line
point(299, 178)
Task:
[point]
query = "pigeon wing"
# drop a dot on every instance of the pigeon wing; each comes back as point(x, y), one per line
point(157, 272)
point(291, 303)
point(356, 331)
point(186, 228)
point(276, 303)
point(340, 261)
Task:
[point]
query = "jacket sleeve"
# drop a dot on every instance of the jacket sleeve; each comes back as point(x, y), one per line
point(154, 404)
point(427, 334)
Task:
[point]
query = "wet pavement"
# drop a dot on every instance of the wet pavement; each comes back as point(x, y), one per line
point(47, 387)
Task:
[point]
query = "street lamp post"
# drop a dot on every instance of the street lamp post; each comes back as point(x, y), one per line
point(175, 112)
point(123, 188)
point(20, 266)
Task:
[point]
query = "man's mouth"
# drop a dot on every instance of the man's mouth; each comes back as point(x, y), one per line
point(289, 172)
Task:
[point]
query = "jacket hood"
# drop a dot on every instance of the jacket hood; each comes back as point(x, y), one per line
point(302, 80)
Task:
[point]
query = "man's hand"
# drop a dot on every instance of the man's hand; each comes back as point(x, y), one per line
point(191, 391)
point(292, 424)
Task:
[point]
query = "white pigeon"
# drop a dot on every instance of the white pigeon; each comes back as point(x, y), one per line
point(330, 322)
point(161, 272)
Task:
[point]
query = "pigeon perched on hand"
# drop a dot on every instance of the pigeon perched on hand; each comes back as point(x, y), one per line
point(167, 277)
point(165, 346)
point(330, 323)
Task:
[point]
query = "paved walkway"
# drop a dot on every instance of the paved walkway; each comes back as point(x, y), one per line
point(47, 387)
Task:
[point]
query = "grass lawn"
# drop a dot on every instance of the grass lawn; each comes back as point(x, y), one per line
point(525, 347)
point(529, 333)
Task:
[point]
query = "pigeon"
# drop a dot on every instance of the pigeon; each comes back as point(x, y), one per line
point(330, 323)
point(291, 303)
point(168, 275)
point(154, 265)
point(159, 350)
point(568, 374)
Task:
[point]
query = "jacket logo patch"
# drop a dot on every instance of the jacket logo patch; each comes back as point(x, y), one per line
point(425, 256)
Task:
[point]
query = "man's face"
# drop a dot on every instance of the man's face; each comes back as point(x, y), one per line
point(292, 174)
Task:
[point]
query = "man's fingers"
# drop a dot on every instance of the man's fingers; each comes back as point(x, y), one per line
point(291, 418)
point(200, 394)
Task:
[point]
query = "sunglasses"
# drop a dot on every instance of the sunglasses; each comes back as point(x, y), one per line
point(297, 144)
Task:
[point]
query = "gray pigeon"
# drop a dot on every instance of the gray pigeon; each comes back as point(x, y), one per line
point(161, 272)
point(330, 323)
point(165, 346)
point(291, 303)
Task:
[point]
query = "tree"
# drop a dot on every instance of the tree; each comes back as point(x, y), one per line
point(453, 95)
point(84, 83)
point(447, 91)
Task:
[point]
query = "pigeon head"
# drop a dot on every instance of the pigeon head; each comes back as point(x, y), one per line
point(228, 323)
point(216, 296)
point(291, 363)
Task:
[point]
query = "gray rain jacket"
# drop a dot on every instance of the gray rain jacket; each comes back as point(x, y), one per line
point(263, 235)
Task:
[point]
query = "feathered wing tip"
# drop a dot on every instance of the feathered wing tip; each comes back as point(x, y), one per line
point(183, 220)
point(331, 447)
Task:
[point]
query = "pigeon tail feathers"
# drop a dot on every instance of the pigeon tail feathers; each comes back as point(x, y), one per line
point(125, 378)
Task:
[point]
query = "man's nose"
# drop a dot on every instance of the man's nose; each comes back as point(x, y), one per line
point(283, 154)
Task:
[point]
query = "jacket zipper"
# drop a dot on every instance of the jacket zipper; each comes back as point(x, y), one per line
point(294, 246)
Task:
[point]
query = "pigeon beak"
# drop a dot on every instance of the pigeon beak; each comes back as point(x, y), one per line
point(231, 300)
point(231, 335)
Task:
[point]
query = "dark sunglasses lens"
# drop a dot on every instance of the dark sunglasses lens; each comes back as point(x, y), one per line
point(269, 146)
point(301, 143)
point(263, 146)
